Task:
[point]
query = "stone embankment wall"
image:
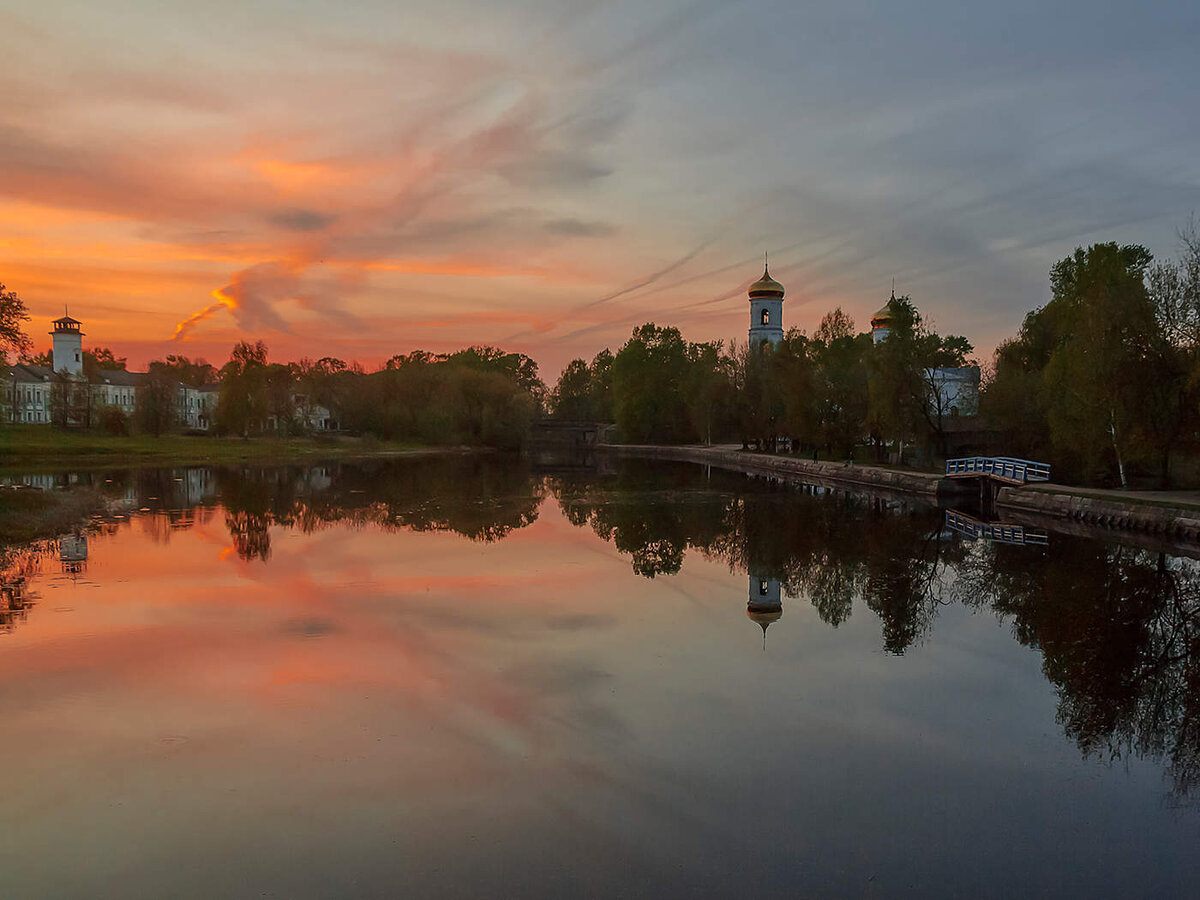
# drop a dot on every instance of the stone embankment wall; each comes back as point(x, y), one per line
point(1126, 513)
point(789, 468)
point(1118, 511)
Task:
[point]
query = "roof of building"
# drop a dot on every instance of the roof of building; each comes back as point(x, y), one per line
point(766, 287)
point(119, 377)
point(23, 373)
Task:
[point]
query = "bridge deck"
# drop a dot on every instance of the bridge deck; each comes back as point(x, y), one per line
point(1006, 469)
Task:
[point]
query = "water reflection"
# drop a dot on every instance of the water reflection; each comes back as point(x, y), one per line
point(1116, 626)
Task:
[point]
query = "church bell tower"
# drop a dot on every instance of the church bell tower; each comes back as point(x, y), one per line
point(766, 310)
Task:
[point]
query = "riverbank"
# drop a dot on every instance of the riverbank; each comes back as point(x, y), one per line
point(1174, 514)
point(28, 515)
point(42, 449)
point(925, 485)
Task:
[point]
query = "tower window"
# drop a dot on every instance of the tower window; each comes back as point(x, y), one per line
point(762, 588)
point(76, 356)
point(766, 317)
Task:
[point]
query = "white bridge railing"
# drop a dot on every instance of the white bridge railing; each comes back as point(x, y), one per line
point(1000, 467)
point(999, 532)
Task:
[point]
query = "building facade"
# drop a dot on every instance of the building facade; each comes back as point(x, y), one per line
point(34, 394)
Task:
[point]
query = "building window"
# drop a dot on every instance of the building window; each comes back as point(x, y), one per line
point(766, 317)
point(762, 588)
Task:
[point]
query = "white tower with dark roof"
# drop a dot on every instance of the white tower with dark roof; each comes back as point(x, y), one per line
point(68, 345)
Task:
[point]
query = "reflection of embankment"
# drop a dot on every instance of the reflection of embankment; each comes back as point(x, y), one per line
point(483, 498)
point(1118, 626)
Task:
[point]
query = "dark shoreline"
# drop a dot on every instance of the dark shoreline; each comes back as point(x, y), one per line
point(1096, 509)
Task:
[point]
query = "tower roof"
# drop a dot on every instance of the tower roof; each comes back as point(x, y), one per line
point(66, 320)
point(766, 286)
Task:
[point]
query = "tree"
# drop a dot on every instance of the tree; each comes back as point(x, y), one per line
point(649, 381)
point(840, 389)
point(793, 374)
point(572, 394)
point(156, 401)
point(192, 372)
point(102, 359)
point(243, 402)
point(13, 316)
point(1096, 379)
point(896, 381)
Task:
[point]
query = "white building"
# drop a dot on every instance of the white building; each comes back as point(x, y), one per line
point(766, 311)
point(29, 389)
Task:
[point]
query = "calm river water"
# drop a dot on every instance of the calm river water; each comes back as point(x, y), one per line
point(460, 677)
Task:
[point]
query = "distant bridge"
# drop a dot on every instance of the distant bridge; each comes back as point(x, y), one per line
point(567, 433)
point(1000, 468)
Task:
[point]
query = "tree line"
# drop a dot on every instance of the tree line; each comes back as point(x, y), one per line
point(829, 392)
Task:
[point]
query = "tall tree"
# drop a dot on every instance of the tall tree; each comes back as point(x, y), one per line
point(243, 401)
point(13, 316)
point(157, 406)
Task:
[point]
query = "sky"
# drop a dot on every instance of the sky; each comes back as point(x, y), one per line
point(358, 179)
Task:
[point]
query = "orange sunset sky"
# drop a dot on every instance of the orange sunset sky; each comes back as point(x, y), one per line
point(361, 179)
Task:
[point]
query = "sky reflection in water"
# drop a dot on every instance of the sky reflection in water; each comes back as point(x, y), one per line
point(459, 677)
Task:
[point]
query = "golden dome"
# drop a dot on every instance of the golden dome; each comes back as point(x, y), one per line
point(764, 617)
point(766, 286)
point(883, 316)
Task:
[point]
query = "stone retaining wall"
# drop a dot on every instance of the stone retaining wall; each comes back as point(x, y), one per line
point(1176, 521)
point(789, 468)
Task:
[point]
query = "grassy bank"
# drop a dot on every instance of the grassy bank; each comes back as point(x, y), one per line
point(34, 448)
point(26, 515)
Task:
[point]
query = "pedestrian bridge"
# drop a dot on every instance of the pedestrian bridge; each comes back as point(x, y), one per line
point(1001, 468)
point(997, 532)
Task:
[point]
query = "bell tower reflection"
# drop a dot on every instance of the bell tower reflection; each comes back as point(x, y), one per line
point(764, 605)
point(73, 553)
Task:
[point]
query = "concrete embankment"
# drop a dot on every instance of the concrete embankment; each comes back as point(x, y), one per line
point(1173, 516)
point(925, 486)
point(1105, 509)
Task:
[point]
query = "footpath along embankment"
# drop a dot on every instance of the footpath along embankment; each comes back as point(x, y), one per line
point(1171, 513)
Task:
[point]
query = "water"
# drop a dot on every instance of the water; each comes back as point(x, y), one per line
point(460, 677)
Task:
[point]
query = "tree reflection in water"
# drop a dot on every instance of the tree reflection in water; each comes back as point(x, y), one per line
point(480, 498)
point(1116, 625)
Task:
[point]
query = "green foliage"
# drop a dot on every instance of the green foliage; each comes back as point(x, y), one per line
point(243, 402)
point(102, 359)
point(583, 391)
point(479, 396)
point(650, 381)
point(840, 387)
point(192, 372)
point(1097, 378)
point(156, 400)
point(111, 420)
point(13, 316)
